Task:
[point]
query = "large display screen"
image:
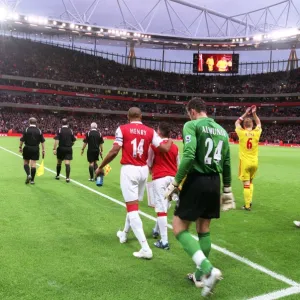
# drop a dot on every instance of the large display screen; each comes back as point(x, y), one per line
point(216, 63)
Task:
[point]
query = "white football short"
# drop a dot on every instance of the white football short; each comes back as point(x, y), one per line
point(133, 181)
point(159, 186)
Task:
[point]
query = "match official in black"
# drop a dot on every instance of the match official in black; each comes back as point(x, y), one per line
point(64, 139)
point(32, 137)
point(94, 140)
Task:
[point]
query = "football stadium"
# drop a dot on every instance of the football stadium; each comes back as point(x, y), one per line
point(157, 114)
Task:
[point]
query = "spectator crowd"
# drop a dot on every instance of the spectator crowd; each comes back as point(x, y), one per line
point(31, 59)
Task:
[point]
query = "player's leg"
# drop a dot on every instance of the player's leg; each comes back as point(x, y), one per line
point(68, 170)
point(92, 162)
point(161, 208)
point(33, 170)
point(58, 168)
point(202, 226)
point(297, 223)
point(247, 195)
point(136, 223)
point(68, 158)
point(252, 175)
point(244, 176)
point(199, 200)
point(191, 247)
point(26, 169)
point(131, 179)
point(91, 171)
point(35, 155)
point(60, 158)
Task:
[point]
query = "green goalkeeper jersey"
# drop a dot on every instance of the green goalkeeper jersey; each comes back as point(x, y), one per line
point(206, 150)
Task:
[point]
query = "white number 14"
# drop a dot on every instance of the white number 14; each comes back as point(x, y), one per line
point(137, 149)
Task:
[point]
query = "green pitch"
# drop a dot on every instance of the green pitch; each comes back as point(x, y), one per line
point(58, 240)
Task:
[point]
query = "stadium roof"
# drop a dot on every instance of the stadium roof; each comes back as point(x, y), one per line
point(173, 23)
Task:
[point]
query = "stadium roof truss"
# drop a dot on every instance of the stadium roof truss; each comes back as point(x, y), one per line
point(205, 22)
point(12, 5)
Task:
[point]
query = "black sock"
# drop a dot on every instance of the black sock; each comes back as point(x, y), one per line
point(58, 169)
point(91, 169)
point(95, 166)
point(33, 171)
point(68, 171)
point(27, 170)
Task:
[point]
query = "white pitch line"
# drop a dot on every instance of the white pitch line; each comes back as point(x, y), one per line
point(218, 248)
point(279, 294)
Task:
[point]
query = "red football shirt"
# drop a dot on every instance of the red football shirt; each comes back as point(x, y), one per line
point(163, 164)
point(135, 139)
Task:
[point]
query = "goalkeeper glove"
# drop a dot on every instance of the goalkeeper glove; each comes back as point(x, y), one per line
point(171, 190)
point(227, 199)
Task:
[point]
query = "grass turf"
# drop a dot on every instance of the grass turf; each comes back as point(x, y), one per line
point(58, 240)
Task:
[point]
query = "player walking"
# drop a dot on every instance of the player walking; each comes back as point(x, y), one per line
point(163, 167)
point(206, 155)
point(32, 137)
point(248, 152)
point(65, 140)
point(134, 139)
point(94, 140)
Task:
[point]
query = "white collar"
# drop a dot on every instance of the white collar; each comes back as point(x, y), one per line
point(136, 122)
point(32, 125)
point(165, 139)
point(93, 129)
point(64, 126)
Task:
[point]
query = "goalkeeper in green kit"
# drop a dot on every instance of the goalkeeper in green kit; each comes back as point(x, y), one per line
point(206, 155)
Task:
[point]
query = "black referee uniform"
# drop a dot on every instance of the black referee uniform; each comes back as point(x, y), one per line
point(66, 139)
point(93, 139)
point(32, 137)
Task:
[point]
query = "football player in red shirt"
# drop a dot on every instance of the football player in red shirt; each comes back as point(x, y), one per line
point(134, 139)
point(163, 167)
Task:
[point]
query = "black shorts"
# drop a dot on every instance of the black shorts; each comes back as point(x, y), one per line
point(199, 197)
point(31, 153)
point(64, 153)
point(93, 155)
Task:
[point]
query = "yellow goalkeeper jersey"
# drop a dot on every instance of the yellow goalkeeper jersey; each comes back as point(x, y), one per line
point(248, 143)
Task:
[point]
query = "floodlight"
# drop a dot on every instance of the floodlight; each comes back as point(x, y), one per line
point(89, 28)
point(3, 13)
point(257, 38)
point(72, 25)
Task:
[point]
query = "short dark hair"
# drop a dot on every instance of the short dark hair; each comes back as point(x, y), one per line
point(197, 104)
point(64, 121)
point(32, 121)
point(165, 129)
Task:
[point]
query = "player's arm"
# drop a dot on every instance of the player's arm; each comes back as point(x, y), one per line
point(227, 199)
point(118, 143)
point(157, 143)
point(43, 144)
point(150, 160)
point(255, 116)
point(85, 142)
point(241, 119)
point(22, 140)
point(190, 145)
point(101, 146)
point(73, 138)
point(56, 140)
point(109, 158)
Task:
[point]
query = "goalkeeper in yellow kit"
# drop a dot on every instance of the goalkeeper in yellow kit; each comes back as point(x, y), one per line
point(248, 151)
